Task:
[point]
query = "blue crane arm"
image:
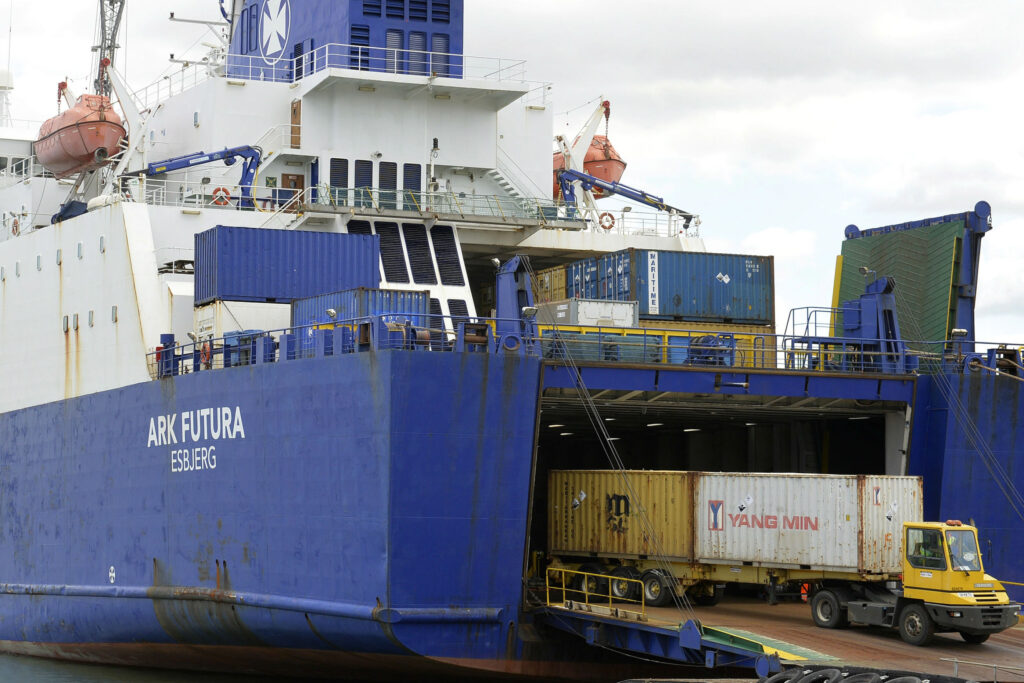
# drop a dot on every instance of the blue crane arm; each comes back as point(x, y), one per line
point(252, 156)
point(566, 177)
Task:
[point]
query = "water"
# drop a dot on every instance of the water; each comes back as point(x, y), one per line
point(15, 669)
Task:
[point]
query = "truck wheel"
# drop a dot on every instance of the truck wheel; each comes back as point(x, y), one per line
point(625, 590)
point(592, 586)
point(656, 591)
point(916, 627)
point(974, 638)
point(707, 595)
point(826, 610)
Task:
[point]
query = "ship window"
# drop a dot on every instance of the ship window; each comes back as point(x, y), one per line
point(417, 53)
point(418, 10)
point(419, 254)
point(447, 253)
point(65, 324)
point(3, 163)
point(364, 183)
point(396, 9)
point(439, 46)
point(243, 31)
point(388, 184)
point(113, 314)
point(253, 30)
point(359, 52)
point(371, 8)
point(393, 46)
point(441, 10)
point(391, 253)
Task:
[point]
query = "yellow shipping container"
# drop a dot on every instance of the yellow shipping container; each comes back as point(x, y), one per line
point(550, 284)
point(590, 511)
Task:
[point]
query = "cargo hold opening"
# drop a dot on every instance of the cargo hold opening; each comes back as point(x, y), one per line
point(849, 440)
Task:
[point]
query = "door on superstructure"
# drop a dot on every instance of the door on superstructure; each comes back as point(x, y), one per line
point(291, 185)
point(296, 127)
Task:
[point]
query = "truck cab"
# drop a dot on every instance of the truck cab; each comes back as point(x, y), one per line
point(944, 589)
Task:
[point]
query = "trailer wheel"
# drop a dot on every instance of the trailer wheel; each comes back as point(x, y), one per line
point(625, 590)
point(592, 586)
point(916, 627)
point(656, 590)
point(826, 610)
point(822, 676)
point(974, 638)
point(707, 594)
point(785, 676)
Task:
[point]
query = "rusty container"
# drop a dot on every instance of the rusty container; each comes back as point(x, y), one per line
point(592, 512)
point(804, 521)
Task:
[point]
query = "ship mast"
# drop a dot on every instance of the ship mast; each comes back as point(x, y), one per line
point(110, 22)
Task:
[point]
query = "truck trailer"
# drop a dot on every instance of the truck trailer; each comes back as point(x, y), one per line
point(856, 542)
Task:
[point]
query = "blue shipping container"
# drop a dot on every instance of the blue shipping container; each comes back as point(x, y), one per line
point(253, 264)
point(581, 279)
point(394, 305)
point(697, 286)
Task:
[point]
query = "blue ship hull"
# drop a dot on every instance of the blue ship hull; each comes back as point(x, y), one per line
point(373, 505)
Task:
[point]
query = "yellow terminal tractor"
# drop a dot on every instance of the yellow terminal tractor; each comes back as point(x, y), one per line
point(944, 589)
point(855, 542)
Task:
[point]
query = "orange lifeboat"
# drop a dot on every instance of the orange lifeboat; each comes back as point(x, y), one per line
point(601, 161)
point(81, 139)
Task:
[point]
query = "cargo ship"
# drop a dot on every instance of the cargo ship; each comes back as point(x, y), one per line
point(292, 377)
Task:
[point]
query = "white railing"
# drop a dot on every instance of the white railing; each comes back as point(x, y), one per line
point(339, 56)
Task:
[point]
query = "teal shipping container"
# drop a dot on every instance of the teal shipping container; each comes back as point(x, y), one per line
point(685, 285)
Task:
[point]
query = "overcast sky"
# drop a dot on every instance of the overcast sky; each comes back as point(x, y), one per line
point(778, 122)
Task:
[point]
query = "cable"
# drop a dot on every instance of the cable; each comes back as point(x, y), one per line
point(963, 419)
point(682, 603)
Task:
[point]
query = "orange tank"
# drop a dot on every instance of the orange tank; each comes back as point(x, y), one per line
point(601, 161)
point(81, 139)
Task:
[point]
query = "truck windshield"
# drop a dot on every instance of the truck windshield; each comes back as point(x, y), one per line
point(963, 551)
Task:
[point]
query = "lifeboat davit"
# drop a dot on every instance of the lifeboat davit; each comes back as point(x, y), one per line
point(601, 161)
point(81, 139)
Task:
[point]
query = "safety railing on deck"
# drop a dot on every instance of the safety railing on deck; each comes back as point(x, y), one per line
point(381, 60)
point(702, 349)
point(617, 596)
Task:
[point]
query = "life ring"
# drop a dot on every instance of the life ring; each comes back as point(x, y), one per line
point(221, 196)
point(15, 227)
point(606, 220)
point(204, 354)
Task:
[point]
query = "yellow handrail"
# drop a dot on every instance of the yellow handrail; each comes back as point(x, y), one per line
point(595, 589)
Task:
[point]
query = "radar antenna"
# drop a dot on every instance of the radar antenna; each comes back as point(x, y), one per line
point(110, 22)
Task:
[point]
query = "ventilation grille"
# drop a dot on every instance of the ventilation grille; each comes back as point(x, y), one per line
point(359, 228)
point(459, 310)
point(447, 256)
point(371, 8)
point(339, 172)
point(436, 323)
point(418, 10)
point(360, 38)
point(417, 53)
point(391, 253)
point(439, 44)
point(388, 181)
point(419, 254)
point(396, 9)
point(441, 10)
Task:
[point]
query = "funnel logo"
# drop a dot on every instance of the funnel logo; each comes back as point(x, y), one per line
point(275, 24)
point(716, 515)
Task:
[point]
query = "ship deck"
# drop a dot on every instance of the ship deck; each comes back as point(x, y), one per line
point(789, 623)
